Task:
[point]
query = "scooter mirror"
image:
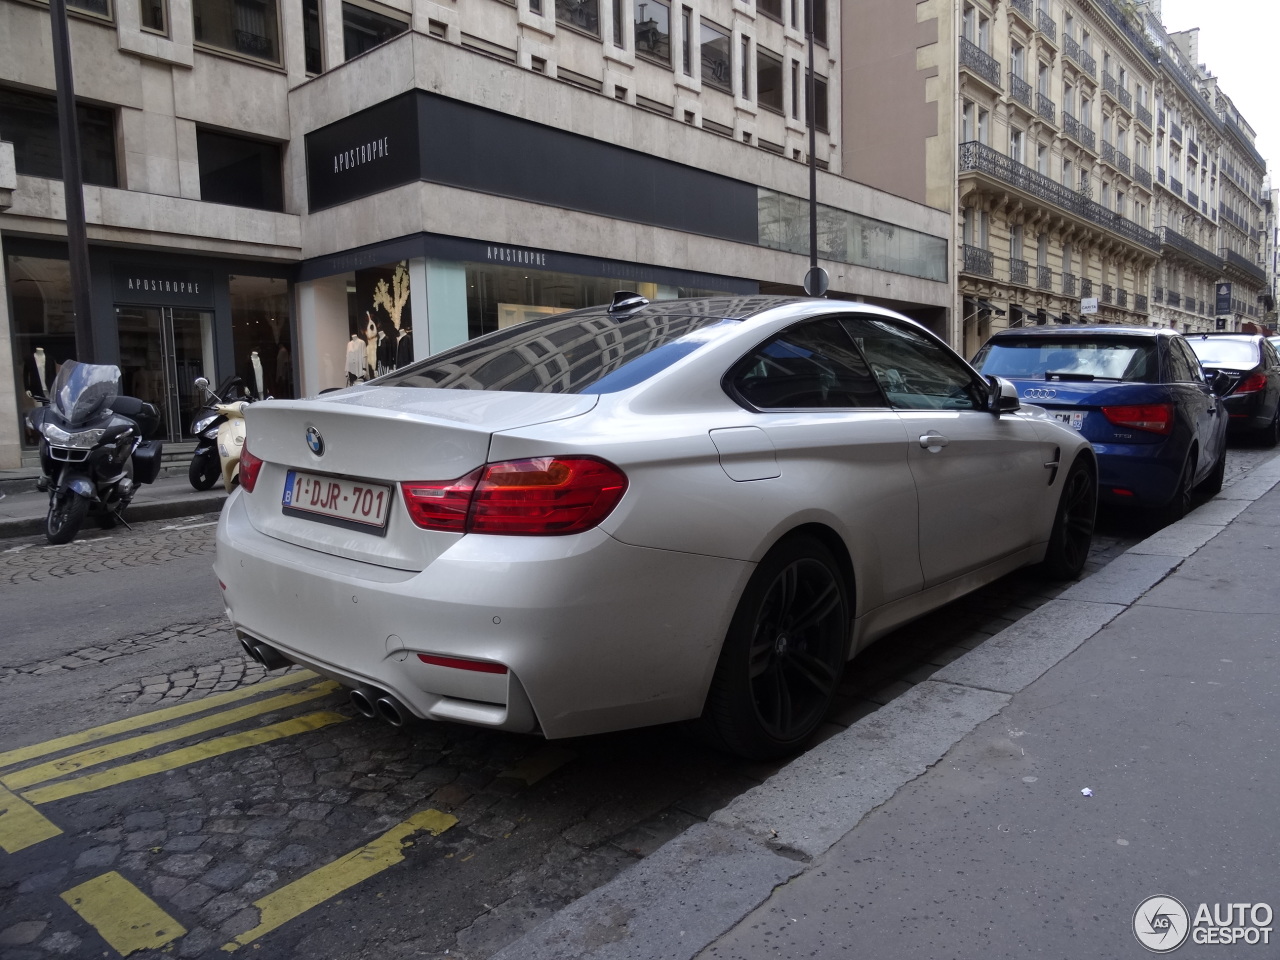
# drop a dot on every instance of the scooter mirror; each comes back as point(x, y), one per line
point(201, 383)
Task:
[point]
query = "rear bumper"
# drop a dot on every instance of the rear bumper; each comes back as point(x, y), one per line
point(597, 635)
point(1150, 472)
point(1246, 413)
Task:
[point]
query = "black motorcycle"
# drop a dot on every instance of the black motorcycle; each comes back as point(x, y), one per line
point(206, 466)
point(95, 448)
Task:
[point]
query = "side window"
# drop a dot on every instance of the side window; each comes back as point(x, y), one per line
point(915, 372)
point(810, 365)
point(1179, 372)
point(1193, 373)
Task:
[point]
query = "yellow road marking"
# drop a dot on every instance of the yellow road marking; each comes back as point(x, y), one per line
point(122, 914)
point(180, 758)
point(20, 825)
point(291, 900)
point(123, 748)
point(537, 765)
point(22, 754)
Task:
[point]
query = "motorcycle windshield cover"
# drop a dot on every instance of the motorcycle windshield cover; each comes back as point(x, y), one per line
point(81, 390)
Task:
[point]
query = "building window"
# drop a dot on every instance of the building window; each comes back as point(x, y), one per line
point(312, 37)
point(967, 128)
point(1043, 79)
point(30, 122)
point(580, 14)
point(1017, 146)
point(1042, 160)
point(239, 171)
point(769, 80)
point(154, 16)
point(686, 34)
point(653, 30)
point(618, 22)
point(820, 21)
point(984, 125)
point(1017, 61)
point(795, 89)
point(1068, 174)
point(818, 112)
point(745, 59)
point(363, 29)
point(1015, 242)
point(772, 8)
point(247, 27)
point(716, 62)
point(101, 7)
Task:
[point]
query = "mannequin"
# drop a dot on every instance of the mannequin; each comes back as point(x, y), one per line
point(355, 359)
point(370, 344)
point(42, 371)
point(404, 347)
point(256, 363)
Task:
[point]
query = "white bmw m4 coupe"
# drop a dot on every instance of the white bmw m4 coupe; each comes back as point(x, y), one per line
point(641, 513)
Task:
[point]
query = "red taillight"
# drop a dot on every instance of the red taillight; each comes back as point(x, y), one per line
point(1152, 417)
point(541, 496)
point(1252, 383)
point(458, 663)
point(249, 468)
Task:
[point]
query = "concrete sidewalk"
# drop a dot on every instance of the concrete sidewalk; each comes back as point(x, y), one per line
point(1114, 745)
point(23, 508)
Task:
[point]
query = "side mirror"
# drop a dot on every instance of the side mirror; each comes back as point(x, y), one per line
point(201, 383)
point(1002, 396)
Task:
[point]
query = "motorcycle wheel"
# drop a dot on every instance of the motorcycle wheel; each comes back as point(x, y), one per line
point(203, 472)
point(67, 511)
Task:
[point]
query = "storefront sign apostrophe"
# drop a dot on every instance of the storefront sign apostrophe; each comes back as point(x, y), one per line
point(364, 153)
point(515, 255)
point(161, 286)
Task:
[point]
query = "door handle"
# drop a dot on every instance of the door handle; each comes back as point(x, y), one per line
point(931, 440)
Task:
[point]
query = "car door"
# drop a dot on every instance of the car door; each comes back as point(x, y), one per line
point(980, 479)
point(840, 450)
point(1201, 408)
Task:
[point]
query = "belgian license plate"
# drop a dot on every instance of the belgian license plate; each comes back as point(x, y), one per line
point(1074, 419)
point(358, 504)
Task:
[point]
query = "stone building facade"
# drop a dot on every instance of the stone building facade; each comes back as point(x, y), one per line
point(306, 193)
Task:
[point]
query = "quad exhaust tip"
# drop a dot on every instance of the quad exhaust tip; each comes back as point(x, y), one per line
point(363, 704)
point(377, 705)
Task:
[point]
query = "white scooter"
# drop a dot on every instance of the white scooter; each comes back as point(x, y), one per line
point(231, 441)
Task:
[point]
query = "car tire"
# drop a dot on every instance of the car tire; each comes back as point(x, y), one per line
point(1072, 533)
point(783, 655)
point(66, 515)
point(1212, 485)
point(1269, 436)
point(1180, 505)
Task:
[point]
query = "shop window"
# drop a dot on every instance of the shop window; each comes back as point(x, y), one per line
point(43, 329)
point(580, 14)
point(653, 30)
point(30, 122)
point(155, 16)
point(364, 29)
point(771, 8)
point(261, 335)
point(769, 80)
point(247, 27)
point(239, 171)
point(717, 63)
point(312, 37)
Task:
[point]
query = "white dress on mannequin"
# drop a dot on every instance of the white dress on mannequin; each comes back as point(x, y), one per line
point(355, 357)
point(40, 371)
point(256, 362)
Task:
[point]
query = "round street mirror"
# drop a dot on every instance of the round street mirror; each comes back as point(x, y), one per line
point(816, 282)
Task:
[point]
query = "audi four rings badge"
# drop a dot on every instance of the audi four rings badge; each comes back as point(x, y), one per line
point(1039, 393)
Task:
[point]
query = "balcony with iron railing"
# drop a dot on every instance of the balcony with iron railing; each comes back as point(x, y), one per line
point(1121, 19)
point(1086, 288)
point(1108, 153)
point(1193, 198)
point(1108, 295)
point(1018, 272)
point(1143, 115)
point(1173, 298)
point(1083, 59)
point(1244, 265)
point(1158, 293)
point(1047, 26)
point(1069, 284)
point(1142, 176)
point(1159, 174)
point(1125, 98)
point(1109, 84)
point(1046, 107)
point(1019, 90)
point(1122, 163)
point(1175, 132)
point(1175, 185)
point(1078, 132)
point(979, 63)
point(1044, 277)
point(980, 158)
point(1189, 248)
point(1122, 299)
point(977, 261)
point(1023, 9)
point(1160, 118)
point(1193, 149)
point(1140, 303)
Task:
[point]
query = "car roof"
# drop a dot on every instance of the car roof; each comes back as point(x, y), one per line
point(1225, 335)
point(1062, 329)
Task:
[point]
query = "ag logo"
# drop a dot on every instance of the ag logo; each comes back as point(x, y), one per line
point(1161, 924)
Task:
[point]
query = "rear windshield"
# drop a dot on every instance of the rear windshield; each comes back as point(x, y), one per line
point(1101, 358)
point(569, 353)
point(1222, 350)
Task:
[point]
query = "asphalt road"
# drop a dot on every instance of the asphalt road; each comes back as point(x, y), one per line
point(233, 815)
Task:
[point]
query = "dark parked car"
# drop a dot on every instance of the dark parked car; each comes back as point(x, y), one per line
point(1136, 393)
point(1250, 383)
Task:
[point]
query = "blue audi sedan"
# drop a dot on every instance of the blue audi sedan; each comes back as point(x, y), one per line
point(1138, 394)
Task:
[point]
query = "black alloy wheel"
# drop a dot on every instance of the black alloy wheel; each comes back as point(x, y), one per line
point(1072, 534)
point(204, 472)
point(1269, 435)
point(783, 655)
point(66, 515)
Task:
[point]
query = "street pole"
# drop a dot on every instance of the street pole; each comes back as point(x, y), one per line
point(72, 182)
point(811, 109)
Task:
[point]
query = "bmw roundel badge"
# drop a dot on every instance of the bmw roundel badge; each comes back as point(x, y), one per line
point(315, 441)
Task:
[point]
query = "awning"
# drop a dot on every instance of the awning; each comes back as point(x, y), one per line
point(988, 306)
